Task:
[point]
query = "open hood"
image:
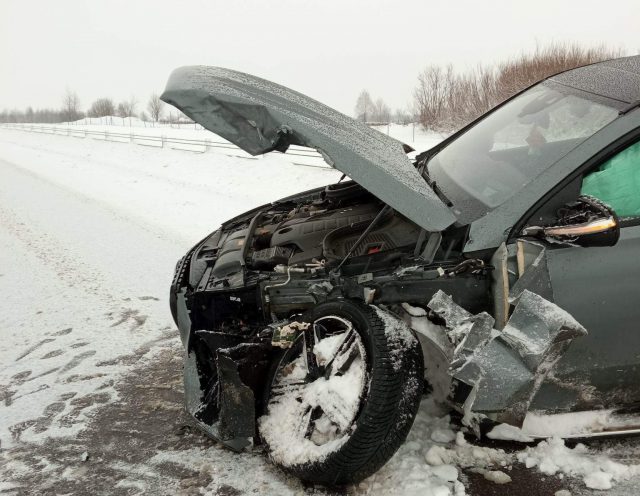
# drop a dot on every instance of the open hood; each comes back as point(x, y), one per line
point(260, 116)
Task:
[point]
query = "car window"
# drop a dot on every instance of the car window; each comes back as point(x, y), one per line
point(509, 148)
point(617, 182)
point(558, 118)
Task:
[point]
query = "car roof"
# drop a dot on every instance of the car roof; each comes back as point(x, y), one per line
point(618, 79)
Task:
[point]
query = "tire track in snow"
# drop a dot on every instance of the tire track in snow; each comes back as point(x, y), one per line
point(112, 209)
point(51, 252)
point(47, 258)
point(163, 186)
point(158, 173)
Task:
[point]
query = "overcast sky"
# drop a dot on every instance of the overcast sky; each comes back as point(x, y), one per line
point(328, 49)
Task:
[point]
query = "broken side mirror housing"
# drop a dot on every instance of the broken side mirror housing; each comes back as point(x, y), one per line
point(585, 222)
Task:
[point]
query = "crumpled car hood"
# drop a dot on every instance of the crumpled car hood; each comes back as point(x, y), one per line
point(260, 116)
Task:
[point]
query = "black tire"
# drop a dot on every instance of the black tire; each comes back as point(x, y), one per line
point(389, 404)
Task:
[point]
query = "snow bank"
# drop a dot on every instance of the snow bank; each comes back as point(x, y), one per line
point(117, 121)
point(436, 450)
point(508, 432)
point(412, 135)
point(567, 425)
point(595, 469)
point(433, 458)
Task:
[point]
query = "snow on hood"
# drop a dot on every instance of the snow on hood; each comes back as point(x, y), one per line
point(260, 116)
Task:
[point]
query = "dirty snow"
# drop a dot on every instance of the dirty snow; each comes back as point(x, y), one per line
point(497, 476)
point(506, 432)
point(89, 234)
point(414, 311)
point(596, 470)
point(566, 425)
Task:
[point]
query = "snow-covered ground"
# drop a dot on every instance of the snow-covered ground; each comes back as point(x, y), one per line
point(410, 134)
point(193, 137)
point(89, 235)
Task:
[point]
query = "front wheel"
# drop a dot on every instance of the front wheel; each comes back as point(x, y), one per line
point(342, 399)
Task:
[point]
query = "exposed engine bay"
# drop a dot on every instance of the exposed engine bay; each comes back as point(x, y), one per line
point(291, 249)
point(236, 287)
point(237, 294)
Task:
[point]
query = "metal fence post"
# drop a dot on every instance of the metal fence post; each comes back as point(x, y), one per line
point(207, 143)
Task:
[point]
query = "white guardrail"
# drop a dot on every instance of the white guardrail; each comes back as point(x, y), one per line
point(306, 157)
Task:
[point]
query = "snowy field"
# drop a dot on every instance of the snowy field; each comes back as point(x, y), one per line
point(193, 137)
point(90, 372)
point(410, 133)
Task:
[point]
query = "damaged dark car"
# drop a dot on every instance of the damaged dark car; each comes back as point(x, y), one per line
point(498, 269)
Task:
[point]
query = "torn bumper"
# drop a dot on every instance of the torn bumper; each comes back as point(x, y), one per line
point(497, 373)
point(223, 380)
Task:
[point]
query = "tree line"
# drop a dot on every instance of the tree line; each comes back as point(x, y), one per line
point(71, 110)
point(445, 100)
point(378, 112)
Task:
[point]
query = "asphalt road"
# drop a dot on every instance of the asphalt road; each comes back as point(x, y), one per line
point(124, 436)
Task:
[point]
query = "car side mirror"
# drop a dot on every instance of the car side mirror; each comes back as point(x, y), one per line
point(586, 222)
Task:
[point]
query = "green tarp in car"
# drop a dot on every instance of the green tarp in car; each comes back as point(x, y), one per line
point(617, 182)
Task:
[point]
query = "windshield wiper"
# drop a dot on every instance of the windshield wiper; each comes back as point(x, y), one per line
point(432, 183)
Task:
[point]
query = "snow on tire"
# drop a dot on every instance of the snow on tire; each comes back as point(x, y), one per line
point(342, 399)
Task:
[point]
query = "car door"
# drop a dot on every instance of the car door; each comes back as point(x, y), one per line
point(600, 287)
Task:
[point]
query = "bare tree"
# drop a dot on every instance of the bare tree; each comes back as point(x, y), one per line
point(34, 115)
point(70, 106)
point(446, 100)
point(431, 94)
point(122, 110)
point(127, 108)
point(155, 107)
point(133, 105)
point(401, 116)
point(102, 107)
point(178, 117)
point(519, 72)
point(381, 112)
point(364, 106)
point(29, 115)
